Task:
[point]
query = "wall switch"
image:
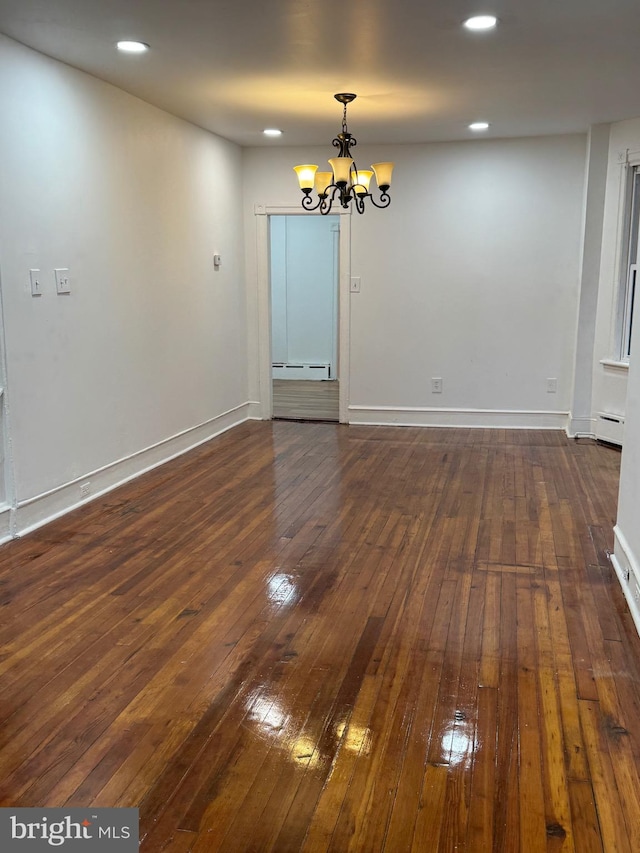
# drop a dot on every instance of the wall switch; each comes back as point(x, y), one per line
point(355, 284)
point(552, 385)
point(36, 282)
point(436, 385)
point(63, 283)
point(217, 261)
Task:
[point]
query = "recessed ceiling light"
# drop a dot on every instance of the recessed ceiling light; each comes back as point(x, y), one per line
point(479, 125)
point(481, 22)
point(132, 46)
point(272, 131)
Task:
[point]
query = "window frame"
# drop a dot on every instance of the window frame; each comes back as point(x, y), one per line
point(628, 257)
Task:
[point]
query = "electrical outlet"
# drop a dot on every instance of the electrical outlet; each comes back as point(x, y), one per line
point(552, 385)
point(636, 592)
point(85, 489)
point(436, 385)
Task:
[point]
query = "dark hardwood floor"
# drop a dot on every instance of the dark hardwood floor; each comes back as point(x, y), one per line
point(325, 638)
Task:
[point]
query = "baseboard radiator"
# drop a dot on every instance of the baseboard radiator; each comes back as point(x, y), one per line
point(609, 427)
point(301, 370)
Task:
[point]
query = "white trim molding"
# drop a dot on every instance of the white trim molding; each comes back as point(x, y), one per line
point(481, 418)
point(30, 514)
point(627, 568)
point(613, 364)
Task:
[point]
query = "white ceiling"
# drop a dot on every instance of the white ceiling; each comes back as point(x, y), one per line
point(238, 66)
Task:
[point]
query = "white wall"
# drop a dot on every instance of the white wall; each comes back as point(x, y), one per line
point(148, 352)
point(471, 275)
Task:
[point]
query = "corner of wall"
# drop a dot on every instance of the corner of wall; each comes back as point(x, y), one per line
point(581, 427)
point(255, 411)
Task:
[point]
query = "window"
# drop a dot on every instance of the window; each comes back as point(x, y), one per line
point(630, 263)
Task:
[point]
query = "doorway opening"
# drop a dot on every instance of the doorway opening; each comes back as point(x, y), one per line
point(304, 273)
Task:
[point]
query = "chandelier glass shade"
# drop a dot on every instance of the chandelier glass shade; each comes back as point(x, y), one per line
point(345, 183)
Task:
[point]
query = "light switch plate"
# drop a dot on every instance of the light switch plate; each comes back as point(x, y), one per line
point(63, 283)
point(36, 282)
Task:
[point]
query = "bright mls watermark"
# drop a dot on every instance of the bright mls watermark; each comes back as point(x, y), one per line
point(79, 830)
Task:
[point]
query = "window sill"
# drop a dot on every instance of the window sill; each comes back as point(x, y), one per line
point(616, 365)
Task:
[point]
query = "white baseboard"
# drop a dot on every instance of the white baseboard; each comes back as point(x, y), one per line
point(627, 568)
point(5, 523)
point(480, 418)
point(41, 509)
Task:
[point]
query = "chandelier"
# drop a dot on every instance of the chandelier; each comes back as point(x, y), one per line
point(345, 183)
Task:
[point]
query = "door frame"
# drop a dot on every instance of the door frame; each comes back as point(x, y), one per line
point(262, 213)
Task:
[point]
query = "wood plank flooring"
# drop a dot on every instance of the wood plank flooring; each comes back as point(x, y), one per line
point(312, 637)
point(305, 399)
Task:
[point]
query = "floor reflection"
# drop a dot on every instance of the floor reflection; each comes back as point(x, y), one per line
point(282, 590)
point(269, 719)
point(458, 742)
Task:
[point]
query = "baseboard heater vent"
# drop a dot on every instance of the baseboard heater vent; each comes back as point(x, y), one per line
point(610, 427)
point(300, 371)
